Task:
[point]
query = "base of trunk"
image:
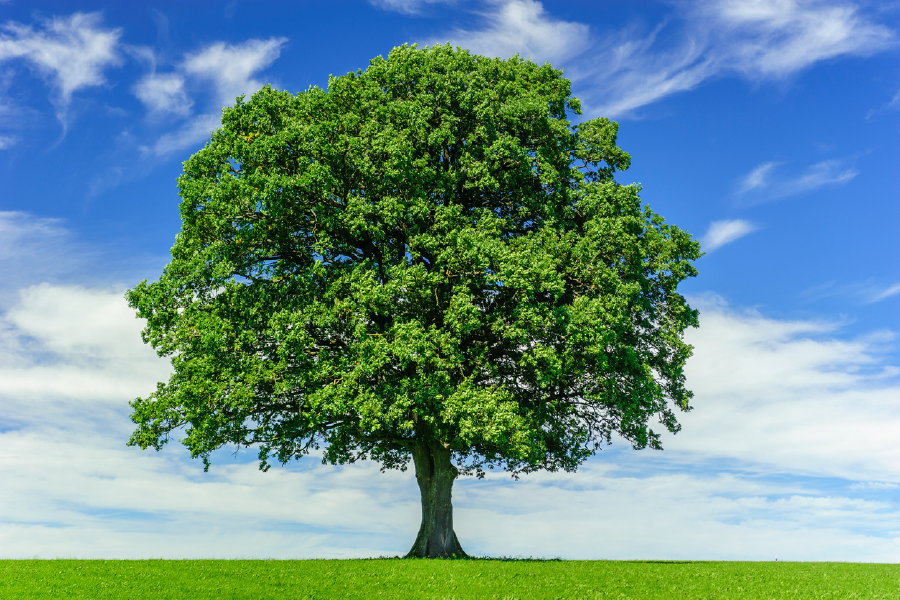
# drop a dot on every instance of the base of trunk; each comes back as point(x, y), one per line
point(435, 474)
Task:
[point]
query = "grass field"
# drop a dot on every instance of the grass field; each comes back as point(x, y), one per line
point(393, 578)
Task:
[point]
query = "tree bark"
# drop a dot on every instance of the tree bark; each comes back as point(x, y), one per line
point(435, 475)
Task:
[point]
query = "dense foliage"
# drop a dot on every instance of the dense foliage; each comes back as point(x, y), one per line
point(427, 252)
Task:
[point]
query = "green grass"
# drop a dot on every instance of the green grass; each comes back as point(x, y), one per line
point(393, 578)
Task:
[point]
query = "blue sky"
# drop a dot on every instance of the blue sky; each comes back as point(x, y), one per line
point(767, 129)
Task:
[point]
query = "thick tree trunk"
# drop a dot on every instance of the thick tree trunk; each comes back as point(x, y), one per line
point(435, 475)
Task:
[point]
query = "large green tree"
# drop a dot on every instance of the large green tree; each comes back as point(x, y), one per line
point(425, 261)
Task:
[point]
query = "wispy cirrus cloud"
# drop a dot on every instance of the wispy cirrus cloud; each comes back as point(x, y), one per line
point(71, 53)
point(757, 39)
point(620, 72)
point(408, 7)
point(763, 183)
point(30, 245)
point(36, 250)
point(725, 232)
point(757, 178)
point(190, 134)
point(776, 38)
point(13, 116)
point(827, 172)
point(886, 293)
point(629, 71)
point(892, 105)
point(229, 69)
point(869, 291)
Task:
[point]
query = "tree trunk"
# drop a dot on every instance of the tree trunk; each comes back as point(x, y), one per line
point(435, 475)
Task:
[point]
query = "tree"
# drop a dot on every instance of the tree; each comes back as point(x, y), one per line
point(425, 261)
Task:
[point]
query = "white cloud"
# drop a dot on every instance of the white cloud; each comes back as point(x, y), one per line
point(629, 72)
point(65, 346)
point(772, 396)
point(13, 117)
point(724, 232)
point(780, 37)
point(874, 485)
point(885, 294)
point(70, 360)
point(93, 501)
point(764, 185)
point(68, 498)
point(757, 178)
point(789, 396)
point(82, 325)
point(164, 93)
point(230, 68)
point(409, 7)
point(868, 292)
point(523, 27)
point(672, 515)
point(192, 134)
point(759, 39)
point(893, 104)
point(828, 172)
point(72, 52)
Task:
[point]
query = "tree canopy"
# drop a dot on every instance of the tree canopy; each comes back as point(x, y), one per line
point(426, 260)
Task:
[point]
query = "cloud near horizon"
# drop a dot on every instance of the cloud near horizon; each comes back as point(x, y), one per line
point(772, 396)
point(791, 395)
